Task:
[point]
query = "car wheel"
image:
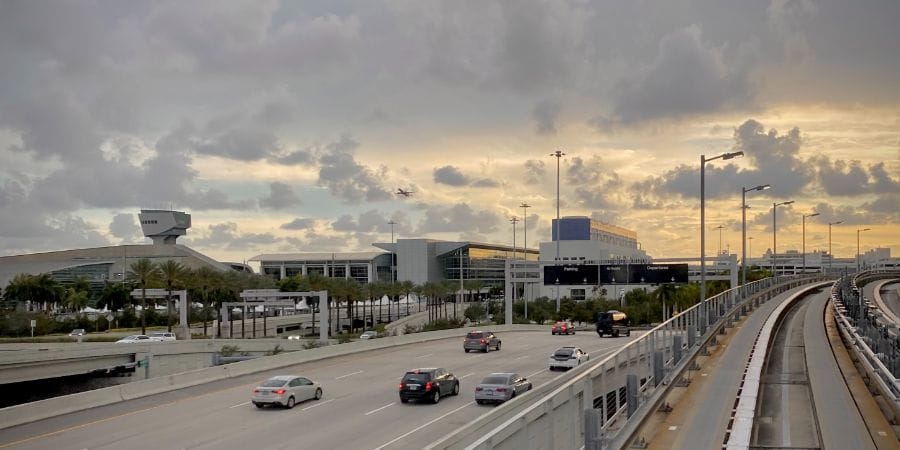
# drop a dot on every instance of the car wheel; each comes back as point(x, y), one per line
point(480, 402)
point(615, 333)
point(437, 397)
point(513, 395)
point(318, 393)
point(290, 403)
point(529, 387)
point(466, 350)
point(258, 405)
point(404, 400)
point(498, 346)
point(628, 333)
point(485, 349)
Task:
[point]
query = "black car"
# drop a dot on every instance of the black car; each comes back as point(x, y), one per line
point(428, 384)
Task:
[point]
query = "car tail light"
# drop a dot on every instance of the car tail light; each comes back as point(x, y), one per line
point(482, 341)
point(427, 386)
point(280, 391)
point(478, 388)
point(402, 386)
point(256, 391)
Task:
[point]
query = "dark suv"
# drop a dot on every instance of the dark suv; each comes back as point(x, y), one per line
point(481, 340)
point(428, 384)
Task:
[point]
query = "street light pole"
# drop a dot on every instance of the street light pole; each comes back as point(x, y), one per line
point(719, 252)
point(774, 237)
point(831, 255)
point(857, 246)
point(744, 207)
point(525, 207)
point(703, 161)
point(512, 275)
point(804, 239)
point(558, 154)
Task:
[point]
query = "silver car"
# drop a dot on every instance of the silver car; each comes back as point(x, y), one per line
point(285, 391)
point(500, 387)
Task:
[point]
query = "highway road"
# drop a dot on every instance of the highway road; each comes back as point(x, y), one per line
point(361, 408)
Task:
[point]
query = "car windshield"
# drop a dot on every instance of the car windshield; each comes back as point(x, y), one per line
point(416, 378)
point(274, 382)
point(564, 352)
point(474, 336)
point(495, 380)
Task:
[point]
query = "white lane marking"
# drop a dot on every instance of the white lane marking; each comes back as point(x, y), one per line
point(673, 428)
point(467, 375)
point(238, 406)
point(533, 374)
point(379, 409)
point(349, 375)
point(318, 404)
point(424, 356)
point(422, 426)
point(521, 357)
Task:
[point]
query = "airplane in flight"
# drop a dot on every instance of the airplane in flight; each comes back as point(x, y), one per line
point(403, 192)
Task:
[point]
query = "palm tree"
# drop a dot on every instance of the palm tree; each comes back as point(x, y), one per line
point(172, 273)
point(76, 299)
point(407, 287)
point(318, 282)
point(143, 272)
point(665, 292)
point(205, 279)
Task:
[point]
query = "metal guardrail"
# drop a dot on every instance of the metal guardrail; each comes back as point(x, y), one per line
point(872, 338)
point(603, 404)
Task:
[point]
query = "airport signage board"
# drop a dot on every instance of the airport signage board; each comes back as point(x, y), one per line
point(593, 274)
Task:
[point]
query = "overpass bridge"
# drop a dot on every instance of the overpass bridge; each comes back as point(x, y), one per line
point(610, 403)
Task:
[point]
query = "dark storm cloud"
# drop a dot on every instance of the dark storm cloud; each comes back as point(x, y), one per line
point(460, 217)
point(226, 235)
point(775, 158)
point(486, 183)
point(125, 227)
point(294, 158)
point(246, 144)
point(451, 176)
point(687, 76)
point(299, 224)
point(535, 170)
point(545, 114)
point(842, 177)
point(347, 179)
point(372, 221)
point(281, 196)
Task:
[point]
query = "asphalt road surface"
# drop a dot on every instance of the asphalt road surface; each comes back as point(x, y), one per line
point(361, 408)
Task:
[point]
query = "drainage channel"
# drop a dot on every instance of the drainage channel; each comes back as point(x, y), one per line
point(785, 415)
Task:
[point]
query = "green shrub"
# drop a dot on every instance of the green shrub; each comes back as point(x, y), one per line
point(344, 338)
point(310, 344)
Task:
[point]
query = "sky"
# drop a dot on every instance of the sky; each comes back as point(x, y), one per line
point(288, 126)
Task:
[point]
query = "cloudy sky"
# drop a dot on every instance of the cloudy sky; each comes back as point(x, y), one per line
point(288, 126)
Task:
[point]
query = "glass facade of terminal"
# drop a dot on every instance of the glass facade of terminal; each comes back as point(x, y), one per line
point(482, 263)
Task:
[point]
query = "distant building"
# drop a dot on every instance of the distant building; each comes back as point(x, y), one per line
point(111, 264)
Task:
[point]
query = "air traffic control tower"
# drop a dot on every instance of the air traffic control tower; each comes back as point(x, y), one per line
point(163, 226)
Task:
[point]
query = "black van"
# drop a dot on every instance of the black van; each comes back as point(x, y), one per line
point(613, 323)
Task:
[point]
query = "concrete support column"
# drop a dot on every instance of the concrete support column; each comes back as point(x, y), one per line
point(323, 317)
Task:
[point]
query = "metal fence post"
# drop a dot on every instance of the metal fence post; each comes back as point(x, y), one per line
point(592, 422)
point(631, 394)
point(658, 368)
point(676, 350)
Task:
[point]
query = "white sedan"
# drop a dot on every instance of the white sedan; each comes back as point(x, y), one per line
point(285, 391)
point(567, 358)
point(135, 338)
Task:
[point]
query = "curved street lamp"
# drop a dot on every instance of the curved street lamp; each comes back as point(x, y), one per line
point(831, 255)
point(744, 207)
point(703, 161)
point(804, 239)
point(858, 257)
point(774, 233)
point(558, 154)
